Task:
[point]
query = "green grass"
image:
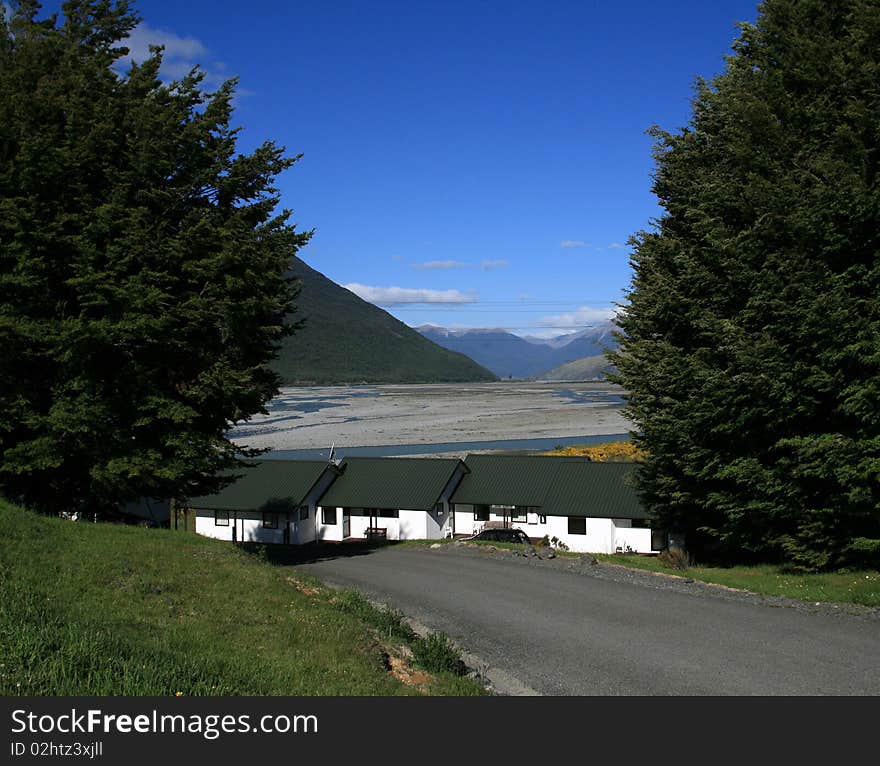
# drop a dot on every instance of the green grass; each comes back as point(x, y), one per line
point(857, 587)
point(101, 609)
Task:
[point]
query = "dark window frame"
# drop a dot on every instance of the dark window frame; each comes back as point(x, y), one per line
point(270, 520)
point(480, 510)
point(303, 512)
point(217, 519)
point(582, 522)
point(325, 512)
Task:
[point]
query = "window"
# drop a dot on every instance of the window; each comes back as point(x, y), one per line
point(303, 512)
point(388, 513)
point(481, 513)
point(577, 525)
point(270, 521)
point(329, 515)
point(519, 513)
point(542, 519)
point(504, 511)
point(221, 518)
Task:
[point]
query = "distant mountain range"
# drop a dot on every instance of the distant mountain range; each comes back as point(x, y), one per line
point(509, 355)
point(588, 368)
point(346, 340)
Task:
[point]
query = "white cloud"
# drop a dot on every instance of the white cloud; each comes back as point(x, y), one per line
point(181, 54)
point(572, 243)
point(531, 332)
point(488, 265)
point(176, 47)
point(393, 296)
point(615, 246)
point(429, 265)
point(580, 317)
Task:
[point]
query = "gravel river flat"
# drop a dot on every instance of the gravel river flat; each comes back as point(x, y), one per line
point(360, 416)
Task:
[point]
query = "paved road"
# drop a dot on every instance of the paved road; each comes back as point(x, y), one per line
point(563, 633)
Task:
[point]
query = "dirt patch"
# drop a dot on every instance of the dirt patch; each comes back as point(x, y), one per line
point(305, 589)
point(403, 672)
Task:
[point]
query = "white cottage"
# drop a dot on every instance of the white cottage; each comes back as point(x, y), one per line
point(590, 507)
point(390, 498)
point(274, 501)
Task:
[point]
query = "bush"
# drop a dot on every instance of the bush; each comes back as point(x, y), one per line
point(436, 654)
point(675, 558)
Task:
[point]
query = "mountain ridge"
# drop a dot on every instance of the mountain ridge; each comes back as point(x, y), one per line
point(346, 340)
point(509, 355)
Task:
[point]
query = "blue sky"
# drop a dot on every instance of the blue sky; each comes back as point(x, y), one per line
point(469, 164)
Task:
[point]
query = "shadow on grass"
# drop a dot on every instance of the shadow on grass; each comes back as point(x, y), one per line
point(291, 555)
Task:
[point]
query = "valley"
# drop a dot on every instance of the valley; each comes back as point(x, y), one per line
point(577, 355)
point(456, 417)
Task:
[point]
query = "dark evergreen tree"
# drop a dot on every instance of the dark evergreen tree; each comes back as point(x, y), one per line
point(142, 288)
point(751, 334)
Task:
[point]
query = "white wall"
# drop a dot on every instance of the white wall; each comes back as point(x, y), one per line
point(436, 522)
point(302, 530)
point(331, 532)
point(466, 525)
point(412, 525)
point(637, 538)
point(205, 526)
point(464, 520)
point(603, 535)
point(249, 527)
point(598, 539)
point(409, 525)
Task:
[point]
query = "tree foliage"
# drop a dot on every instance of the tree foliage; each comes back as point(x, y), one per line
point(751, 335)
point(141, 267)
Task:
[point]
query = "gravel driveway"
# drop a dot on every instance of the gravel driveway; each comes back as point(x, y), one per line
point(564, 627)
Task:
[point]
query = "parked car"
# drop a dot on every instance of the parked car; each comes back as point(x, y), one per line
point(502, 536)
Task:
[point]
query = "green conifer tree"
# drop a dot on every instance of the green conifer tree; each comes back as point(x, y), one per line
point(142, 288)
point(751, 336)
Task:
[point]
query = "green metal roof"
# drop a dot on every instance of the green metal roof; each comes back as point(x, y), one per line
point(506, 480)
point(600, 490)
point(560, 486)
point(386, 482)
point(269, 484)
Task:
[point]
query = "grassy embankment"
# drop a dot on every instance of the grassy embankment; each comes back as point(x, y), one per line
point(114, 610)
point(854, 587)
